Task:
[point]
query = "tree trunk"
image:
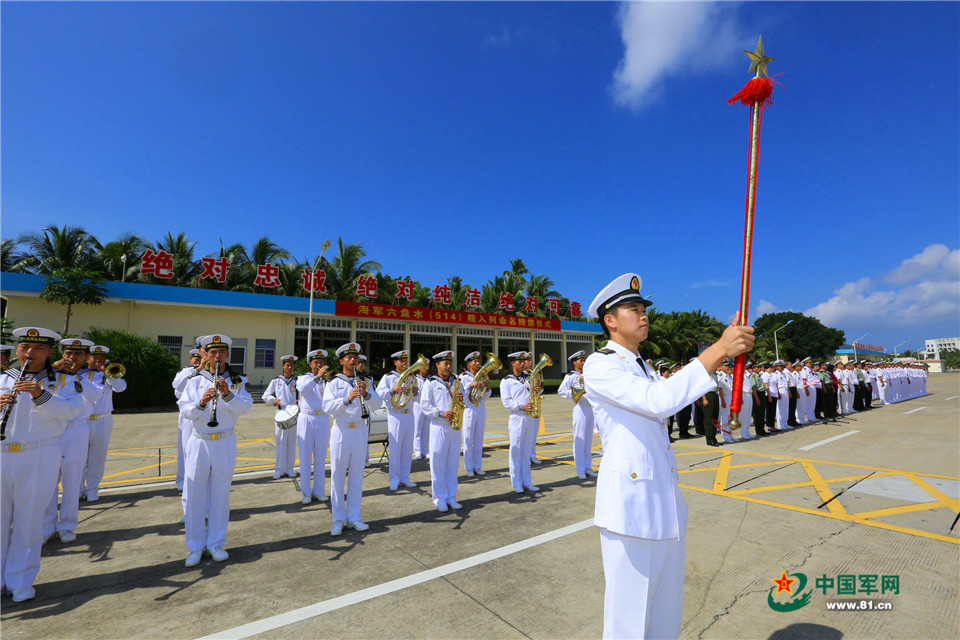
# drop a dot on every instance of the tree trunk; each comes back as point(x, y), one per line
point(66, 321)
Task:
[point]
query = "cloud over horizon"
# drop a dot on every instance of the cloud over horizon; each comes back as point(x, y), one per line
point(671, 39)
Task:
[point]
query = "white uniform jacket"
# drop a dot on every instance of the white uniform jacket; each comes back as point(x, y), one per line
point(637, 488)
point(282, 389)
point(335, 402)
point(385, 390)
point(45, 417)
point(514, 393)
point(180, 380)
point(104, 403)
point(230, 407)
point(466, 379)
point(572, 379)
point(437, 398)
point(311, 393)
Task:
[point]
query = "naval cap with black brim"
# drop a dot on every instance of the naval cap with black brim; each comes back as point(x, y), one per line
point(623, 290)
point(316, 354)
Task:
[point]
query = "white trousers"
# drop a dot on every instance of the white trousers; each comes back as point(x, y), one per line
point(73, 445)
point(521, 448)
point(783, 408)
point(313, 438)
point(100, 431)
point(444, 459)
point(582, 437)
point(421, 432)
point(400, 444)
point(286, 449)
point(846, 398)
point(644, 586)
point(531, 435)
point(725, 422)
point(183, 432)
point(474, 425)
point(26, 480)
point(348, 456)
point(746, 412)
point(207, 477)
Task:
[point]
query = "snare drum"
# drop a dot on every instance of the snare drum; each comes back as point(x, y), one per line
point(287, 417)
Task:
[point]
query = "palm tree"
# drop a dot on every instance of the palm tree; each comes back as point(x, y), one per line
point(541, 288)
point(60, 248)
point(239, 276)
point(111, 256)
point(185, 268)
point(346, 267)
point(11, 258)
point(262, 252)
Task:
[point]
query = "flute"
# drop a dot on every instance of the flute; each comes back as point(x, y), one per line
point(8, 409)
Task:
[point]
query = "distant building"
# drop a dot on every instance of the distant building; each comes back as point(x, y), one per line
point(933, 348)
point(861, 351)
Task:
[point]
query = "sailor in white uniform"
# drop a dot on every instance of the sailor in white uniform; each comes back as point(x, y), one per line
point(421, 423)
point(281, 393)
point(313, 429)
point(101, 422)
point(348, 399)
point(36, 407)
point(640, 511)
point(515, 396)
point(213, 401)
point(572, 388)
point(183, 426)
point(437, 402)
point(474, 415)
point(399, 423)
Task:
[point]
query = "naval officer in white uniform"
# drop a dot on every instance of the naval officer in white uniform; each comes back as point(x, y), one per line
point(640, 511)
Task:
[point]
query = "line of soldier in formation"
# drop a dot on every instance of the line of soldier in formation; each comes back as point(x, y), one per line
point(57, 419)
point(779, 395)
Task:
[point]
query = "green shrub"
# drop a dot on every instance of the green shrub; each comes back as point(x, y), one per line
point(150, 368)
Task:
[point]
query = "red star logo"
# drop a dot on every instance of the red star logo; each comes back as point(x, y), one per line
point(783, 583)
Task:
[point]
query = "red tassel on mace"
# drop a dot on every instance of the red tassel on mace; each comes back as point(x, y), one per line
point(757, 90)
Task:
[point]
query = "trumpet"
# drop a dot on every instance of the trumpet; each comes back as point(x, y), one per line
point(8, 409)
point(536, 385)
point(408, 382)
point(114, 370)
point(492, 364)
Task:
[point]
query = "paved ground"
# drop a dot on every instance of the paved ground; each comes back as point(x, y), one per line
point(524, 566)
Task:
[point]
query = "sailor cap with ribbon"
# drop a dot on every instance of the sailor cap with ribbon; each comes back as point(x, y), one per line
point(317, 354)
point(622, 290)
point(194, 352)
point(288, 358)
point(76, 344)
point(101, 350)
point(443, 355)
point(214, 341)
point(349, 349)
point(399, 355)
point(37, 335)
point(518, 355)
point(578, 355)
point(473, 355)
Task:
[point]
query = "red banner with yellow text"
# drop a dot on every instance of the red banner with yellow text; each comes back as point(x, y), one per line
point(377, 311)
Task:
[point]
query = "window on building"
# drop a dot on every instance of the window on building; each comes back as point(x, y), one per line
point(265, 354)
point(173, 344)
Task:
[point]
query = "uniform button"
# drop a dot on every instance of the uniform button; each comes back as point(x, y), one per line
point(633, 475)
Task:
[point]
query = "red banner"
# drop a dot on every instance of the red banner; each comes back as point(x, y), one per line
point(377, 311)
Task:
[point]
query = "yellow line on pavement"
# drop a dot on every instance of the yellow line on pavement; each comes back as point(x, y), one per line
point(823, 489)
point(809, 483)
point(720, 480)
point(732, 466)
point(929, 488)
point(893, 511)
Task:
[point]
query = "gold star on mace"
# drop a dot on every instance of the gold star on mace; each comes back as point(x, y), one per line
point(758, 61)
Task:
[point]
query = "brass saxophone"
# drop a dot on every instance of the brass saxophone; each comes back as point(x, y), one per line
point(578, 391)
point(536, 385)
point(456, 422)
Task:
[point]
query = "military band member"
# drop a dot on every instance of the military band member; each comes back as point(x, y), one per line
point(213, 401)
point(759, 388)
point(572, 388)
point(792, 396)
point(313, 429)
point(441, 392)
point(421, 423)
point(725, 392)
point(515, 396)
point(746, 407)
point(282, 393)
point(348, 399)
point(5, 351)
point(73, 444)
point(640, 510)
point(37, 406)
point(399, 423)
point(474, 415)
point(101, 422)
point(183, 426)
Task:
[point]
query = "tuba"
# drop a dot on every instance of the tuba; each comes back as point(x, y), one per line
point(492, 364)
point(408, 382)
point(536, 381)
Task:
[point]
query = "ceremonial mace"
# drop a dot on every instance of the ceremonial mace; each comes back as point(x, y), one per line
point(757, 93)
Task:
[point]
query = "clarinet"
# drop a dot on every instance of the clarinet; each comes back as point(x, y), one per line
point(8, 409)
point(364, 414)
point(216, 396)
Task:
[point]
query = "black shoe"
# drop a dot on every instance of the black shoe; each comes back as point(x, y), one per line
point(685, 436)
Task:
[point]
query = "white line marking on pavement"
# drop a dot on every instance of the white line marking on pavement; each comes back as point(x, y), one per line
point(313, 610)
point(906, 413)
point(828, 440)
point(951, 397)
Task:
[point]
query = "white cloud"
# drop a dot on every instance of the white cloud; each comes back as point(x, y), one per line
point(505, 37)
point(709, 283)
point(931, 293)
point(763, 307)
point(666, 39)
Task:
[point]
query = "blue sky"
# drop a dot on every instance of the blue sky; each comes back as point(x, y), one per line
point(589, 139)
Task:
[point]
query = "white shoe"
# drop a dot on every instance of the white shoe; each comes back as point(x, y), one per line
point(193, 559)
point(417, 456)
point(24, 593)
point(582, 476)
point(218, 554)
point(455, 505)
point(277, 475)
point(517, 490)
point(306, 500)
point(320, 498)
point(480, 472)
point(531, 487)
point(358, 525)
point(442, 507)
point(179, 486)
point(469, 473)
point(67, 536)
point(591, 473)
point(46, 538)
point(534, 461)
point(410, 485)
point(92, 497)
point(337, 528)
point(394, 487)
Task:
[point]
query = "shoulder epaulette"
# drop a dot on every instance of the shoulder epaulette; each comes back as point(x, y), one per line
point(606, 352)
point(235, 377)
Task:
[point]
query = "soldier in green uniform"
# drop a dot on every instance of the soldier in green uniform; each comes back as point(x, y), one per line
point(760, 405)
